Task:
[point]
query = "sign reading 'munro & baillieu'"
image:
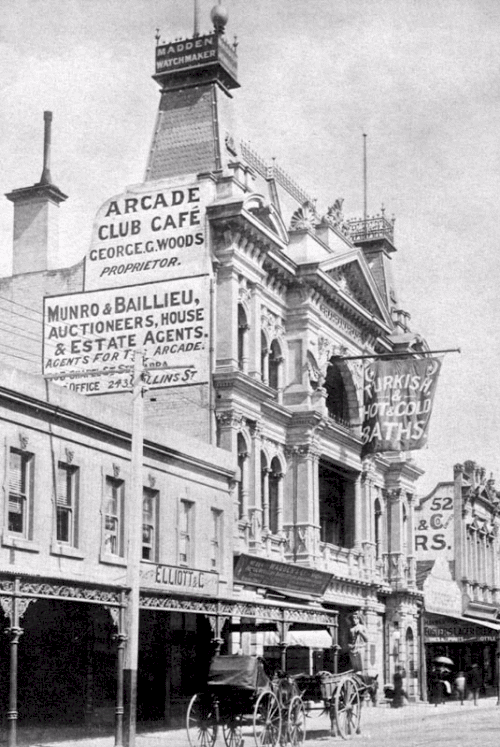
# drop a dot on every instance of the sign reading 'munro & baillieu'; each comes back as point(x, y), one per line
point(90, 338)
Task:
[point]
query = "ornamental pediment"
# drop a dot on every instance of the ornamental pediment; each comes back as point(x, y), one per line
point(353, 277)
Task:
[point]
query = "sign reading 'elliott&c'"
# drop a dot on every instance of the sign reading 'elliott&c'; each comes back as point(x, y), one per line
point(179, 579)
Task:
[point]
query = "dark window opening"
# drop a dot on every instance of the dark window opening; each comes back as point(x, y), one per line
point(275, 360)
point(336, 401)
point(336, 505)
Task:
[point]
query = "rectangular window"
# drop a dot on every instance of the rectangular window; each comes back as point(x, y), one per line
point(216, 540)
point(149, 524)
point(67, 504)
point(113, 517)
point(20, 493)
point(185, 532)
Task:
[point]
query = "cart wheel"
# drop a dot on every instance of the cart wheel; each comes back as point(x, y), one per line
point(201, 721)
point(296, 721)
point(232, 732)
point(347, 707)
point(267, 720)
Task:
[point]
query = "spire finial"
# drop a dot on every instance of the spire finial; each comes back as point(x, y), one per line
point(196, 31)
point(46, 177)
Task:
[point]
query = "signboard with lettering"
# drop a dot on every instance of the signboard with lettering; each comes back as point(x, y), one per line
point(262, 572)
point(179, 580)
point(442, 594)
point(186, 53)
point(398, 396)
point(148, 234)
point(434, 526)
point(451, 630)
point(90, 338)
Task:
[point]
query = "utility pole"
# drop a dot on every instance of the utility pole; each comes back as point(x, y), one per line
point(134, 554)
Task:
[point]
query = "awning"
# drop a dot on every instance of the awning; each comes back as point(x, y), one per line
point(470, 620)
point(307, 638)
point(441, 628)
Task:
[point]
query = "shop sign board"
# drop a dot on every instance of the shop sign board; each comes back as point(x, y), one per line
point(149, 233)
point(179, 579)
point(271, 573)
point(450, 630)
point(442, 594)
point(90, 338)
point(186, 54)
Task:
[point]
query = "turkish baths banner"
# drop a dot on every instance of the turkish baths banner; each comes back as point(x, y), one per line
point(398, 396)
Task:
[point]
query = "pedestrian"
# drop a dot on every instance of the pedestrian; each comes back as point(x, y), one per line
point(460, 683)
point(436, 686)
point(399, 693)
point(475, 681)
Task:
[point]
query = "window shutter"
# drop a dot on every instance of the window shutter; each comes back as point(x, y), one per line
point(16, 482)
point(63, 487)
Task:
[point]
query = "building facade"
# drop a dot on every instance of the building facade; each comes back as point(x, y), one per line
point(253, 308)
point(458, 554)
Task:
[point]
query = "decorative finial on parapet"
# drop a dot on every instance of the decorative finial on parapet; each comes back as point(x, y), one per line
point(157, 37)
point(46, 177)
point(219, 17)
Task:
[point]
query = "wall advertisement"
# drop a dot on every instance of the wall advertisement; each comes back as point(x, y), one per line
point(148, 234)
point(90, 337)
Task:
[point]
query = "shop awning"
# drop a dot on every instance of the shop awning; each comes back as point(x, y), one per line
point(308, 638)
point(472, 621)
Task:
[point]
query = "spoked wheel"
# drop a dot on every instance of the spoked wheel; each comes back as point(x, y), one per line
point(347, 706)
point(232, 732)
point(296, 732)
point(267, 720)
point(201, 721)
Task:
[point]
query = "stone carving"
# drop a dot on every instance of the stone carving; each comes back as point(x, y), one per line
point(304, 218)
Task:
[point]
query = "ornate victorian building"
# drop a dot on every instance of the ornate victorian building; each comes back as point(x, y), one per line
point(458, 560)
point(222, 255)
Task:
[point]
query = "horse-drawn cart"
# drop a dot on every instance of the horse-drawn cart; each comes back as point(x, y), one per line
point(342, 698)
point(239, 695)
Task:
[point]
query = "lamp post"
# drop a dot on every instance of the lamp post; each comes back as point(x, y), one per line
point(135, 521)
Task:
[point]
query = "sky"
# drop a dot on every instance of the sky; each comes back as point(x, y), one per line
point(421, 78)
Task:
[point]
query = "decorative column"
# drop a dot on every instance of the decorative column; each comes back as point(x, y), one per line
point(411, 577)
point(358, 515)
point(255, 481)
point(14, 634)
point(121, 639)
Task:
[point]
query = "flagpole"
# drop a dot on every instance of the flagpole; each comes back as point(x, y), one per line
point(408, 354)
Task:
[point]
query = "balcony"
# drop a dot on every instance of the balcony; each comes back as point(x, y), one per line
point(372, 228)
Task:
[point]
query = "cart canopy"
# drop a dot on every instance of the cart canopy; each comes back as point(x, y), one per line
point(245, 672)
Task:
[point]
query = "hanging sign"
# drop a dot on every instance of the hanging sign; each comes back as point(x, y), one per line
point(398, 396)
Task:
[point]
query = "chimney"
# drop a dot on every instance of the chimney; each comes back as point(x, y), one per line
point(36, 219)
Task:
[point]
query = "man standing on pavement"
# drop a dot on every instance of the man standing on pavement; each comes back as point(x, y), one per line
point(460, 683)
point(475, 681)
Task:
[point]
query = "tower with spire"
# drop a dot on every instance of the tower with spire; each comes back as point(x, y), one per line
point(193, 131)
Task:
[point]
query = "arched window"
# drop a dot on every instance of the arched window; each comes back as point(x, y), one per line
point(336, 400)
point(264, 490)
point(242, 457)
point(275, 476)
point(378, 529)
point(242, 338)
point(275, 361)
point(264, 358)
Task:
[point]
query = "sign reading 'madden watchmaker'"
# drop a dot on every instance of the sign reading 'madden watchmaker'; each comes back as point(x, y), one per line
point(148, 234)
point(90, 338)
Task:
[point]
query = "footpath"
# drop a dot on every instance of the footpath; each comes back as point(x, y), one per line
point(373, 719)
